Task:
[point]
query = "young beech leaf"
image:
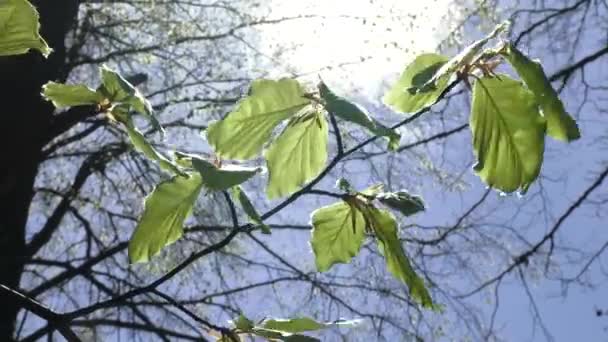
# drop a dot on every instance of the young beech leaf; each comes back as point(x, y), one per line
point(404, 97)
point(243, 133)
point(286, 329)
point(120, 91)
point(143, 145)
point(402, 201)
point(19, 29)
point(298, 155)
point(249, 209)
point(425, 79)
point(560, 125)
point(165, 210)
point(354, 113)
point(464, 58)
point(69, 95)
point(273, 335)
point(299, 338)
point(218, 179)
point(385, 228)
point(337, 234)
point(508, 133)
point(302, 324)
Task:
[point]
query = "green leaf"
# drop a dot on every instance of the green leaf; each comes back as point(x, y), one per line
point(508, 133)
point(294, 325)
point(165, 210)
point(465, 58)
point(354, 113)
point(285, 329)
point(404, 97)
point(560, 125)
point(298, 325)
point(143, 145)
point(119, 91)
point(249, 209)
point(19, 29)
point(269, 334)
point(299, 338)
point(385, 228)
point(218, 179)
point(337, 234)
point(298, 155)
point(243, 323)
point(402, 201)
point(68, 95)
point(243, 133)
point(425, 79)
point(272, 335)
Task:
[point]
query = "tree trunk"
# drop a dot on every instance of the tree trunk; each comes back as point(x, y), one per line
point(26, 120)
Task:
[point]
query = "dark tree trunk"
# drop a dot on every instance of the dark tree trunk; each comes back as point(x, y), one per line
point(25, 119)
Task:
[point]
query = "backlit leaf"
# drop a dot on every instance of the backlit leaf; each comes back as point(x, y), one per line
point(249, 209)
point(142, 144)
point(508, 133)
point(560, 125)
point(165, 210)
point(404, 96)
point(286, 329)
point(223, 178)
point(302, 324)
point(68, 95)
point(243, 133)
point(354, 113)
point(298, 155)
point(293, 325)
point(385, 228)
point(119, 91)
point(19, 29)
point(337, 234)
point(465, 58)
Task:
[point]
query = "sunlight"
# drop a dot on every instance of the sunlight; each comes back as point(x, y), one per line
point(363, 41)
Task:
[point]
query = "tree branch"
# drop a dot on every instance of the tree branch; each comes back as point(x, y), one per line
point(54, 320)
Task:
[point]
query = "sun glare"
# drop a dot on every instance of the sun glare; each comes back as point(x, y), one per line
point(354, 44)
